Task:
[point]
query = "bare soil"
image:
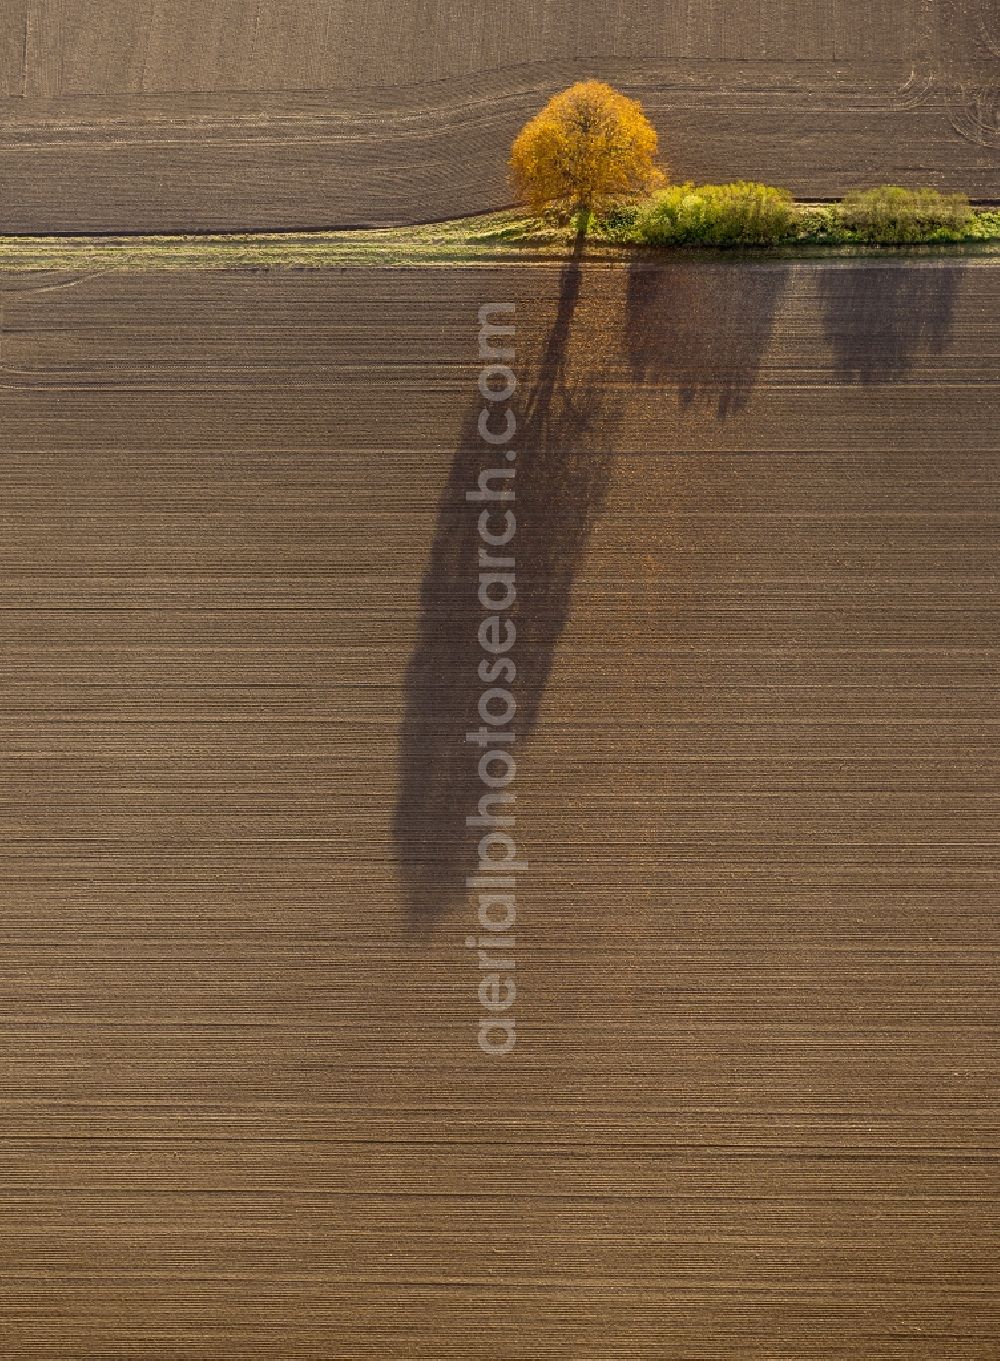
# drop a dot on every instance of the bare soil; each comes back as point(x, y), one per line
point(271, 114)
point(749, 1114)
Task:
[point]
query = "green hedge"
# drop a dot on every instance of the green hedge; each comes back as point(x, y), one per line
point(750, 214)
point(890, 215)
point(739, 214)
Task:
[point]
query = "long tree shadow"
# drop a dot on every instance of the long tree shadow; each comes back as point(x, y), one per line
point(562, 477)
point(703, 326)
point(877, 318)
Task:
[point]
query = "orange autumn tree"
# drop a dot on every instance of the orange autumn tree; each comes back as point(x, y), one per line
point(587, 148)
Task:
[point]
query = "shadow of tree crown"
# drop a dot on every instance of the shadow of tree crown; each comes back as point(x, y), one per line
point(560, 487)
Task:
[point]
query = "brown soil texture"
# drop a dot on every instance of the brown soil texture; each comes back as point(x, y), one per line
point(749, 1113)
point(254, 114)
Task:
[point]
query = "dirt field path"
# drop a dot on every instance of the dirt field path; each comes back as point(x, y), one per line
point(748, 1113)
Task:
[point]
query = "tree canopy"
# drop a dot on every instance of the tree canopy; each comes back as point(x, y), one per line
point(589, 146)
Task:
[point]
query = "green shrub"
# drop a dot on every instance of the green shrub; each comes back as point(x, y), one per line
point(890, 215)
point(617, 223)
point(985, 225)
point(740, 214)
point(821, 224)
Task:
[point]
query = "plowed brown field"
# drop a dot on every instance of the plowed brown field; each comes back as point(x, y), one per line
point(289, 113)
point(749, 1114)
